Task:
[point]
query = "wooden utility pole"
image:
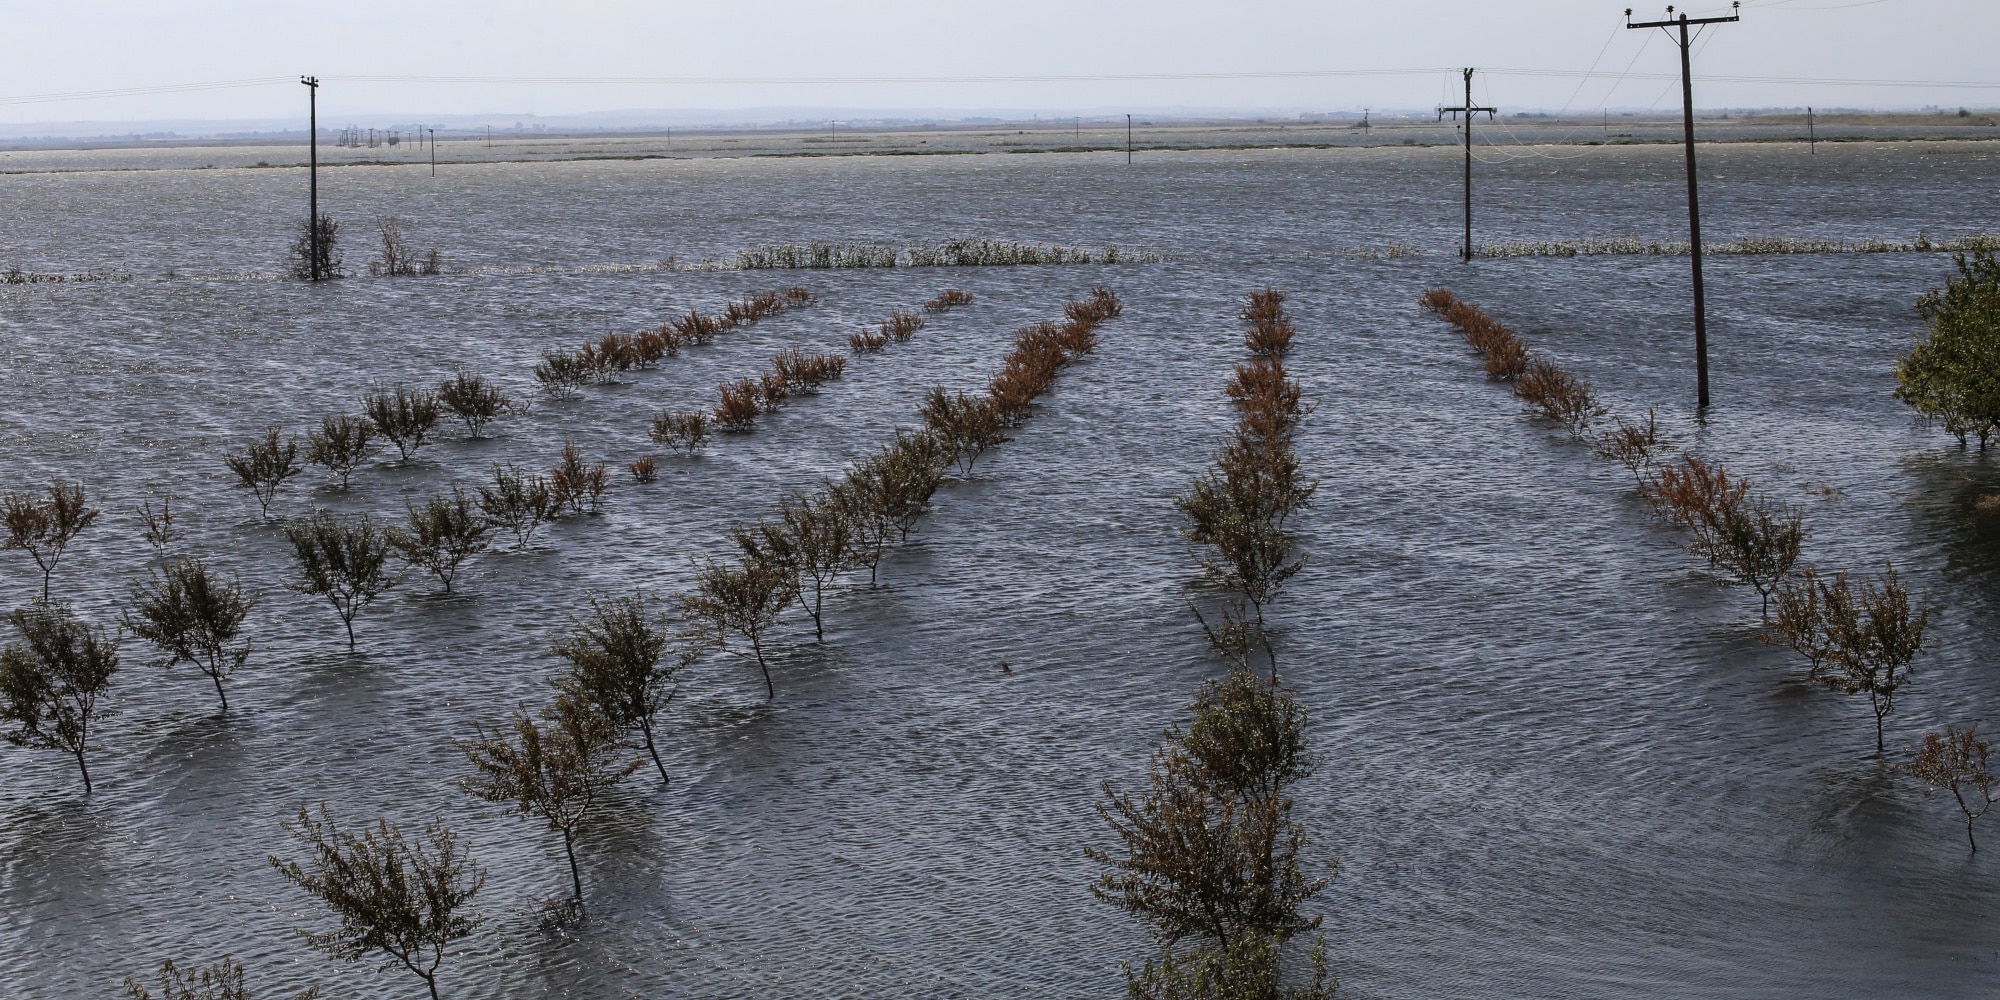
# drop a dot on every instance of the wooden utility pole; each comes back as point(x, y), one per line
point(312, 174)
point(434, 151)
point(1469, 112)
point(1128, 140)
point(1812, 136)
point(1680, 25)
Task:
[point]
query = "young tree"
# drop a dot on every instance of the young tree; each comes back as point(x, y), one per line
point(1210, 851)
point(50, 681)
point(221, 981)
point(341, 444)
point(820, 541)
point(577, 484)
point(518, 501)
point(44, 528)
point(443, 533)
point(193, 615)
point(472, 399)
point(264, 465)
point(1955, 761)
point(407, 899)
point(683, 433)
point(556, 769)
point(1876, 635)
point(854, 502)
point(1801, 618)
point(1632, 445)
point(967, 426)
point(160, 531)
point(744, 599)
point(404, 416)
point(615, 667)
point(344, 563)
point(1951, 372)
point(317, 260)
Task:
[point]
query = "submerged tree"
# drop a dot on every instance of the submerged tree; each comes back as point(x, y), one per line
point(160, 532)
point(472, 399)
point(221, 981)
point(819, 538)
point(1951, 373)
point(51, 680)
point(403, 415)
point(193, 615)
point(344, 563)
point(615, 667)
point(444, 532)
point(555, 769)
point(518, 501)
point(264, 465)
point(743, 599)
point(1211, 853)
point(45, 527)
point(340, 444)
point(1955, 761)
point(406, 899)
point(316, 254)
point(1860, 638)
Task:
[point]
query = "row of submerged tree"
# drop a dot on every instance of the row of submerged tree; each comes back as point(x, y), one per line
point(1859, 636)
point(406, 898)
point(794, 372)
point(1210, 855)
point(563, 374)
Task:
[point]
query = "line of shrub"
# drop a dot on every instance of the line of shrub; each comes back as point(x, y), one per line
point(563, 374)
point(1858, 638)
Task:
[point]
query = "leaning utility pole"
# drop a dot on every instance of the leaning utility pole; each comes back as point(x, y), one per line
point(1469, 110)
point(1682, 23)
point(312, 185)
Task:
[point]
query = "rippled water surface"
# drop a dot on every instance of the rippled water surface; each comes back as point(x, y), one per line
point(1557, 761)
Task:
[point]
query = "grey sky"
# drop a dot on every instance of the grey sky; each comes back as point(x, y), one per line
point(89, 45)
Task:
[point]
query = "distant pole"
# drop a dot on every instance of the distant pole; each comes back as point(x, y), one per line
point(1469, 110)
point(1128, 140)
point(434, 152)
point(1812, 137)
point(489, 137)
point(1364, 125)
point(1079, 129)
point(312, 173)
point(1681, 24)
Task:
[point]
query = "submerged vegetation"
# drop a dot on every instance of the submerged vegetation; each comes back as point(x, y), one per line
point(952, 253)
point(1951, 373)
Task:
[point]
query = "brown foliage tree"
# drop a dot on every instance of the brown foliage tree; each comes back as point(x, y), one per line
point(406, 899)
point(221, 981)
point(615, 667)
point(740, 403)
point(472, 399)
point(576, 484)
point(556, 769)
point(443, 533)
point(518, 501)
point(684, 433)
point(947, 300)
point(346, 563)
point(1955, 761)
point(402, 415)
point(742, 599)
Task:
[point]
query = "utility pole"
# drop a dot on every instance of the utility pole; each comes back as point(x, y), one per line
point(434, 152)
point(1364, 125)
point(312, 184)
point(1469, 112)
point(1672, 25)
point(1128, 140)
point(1812, 137)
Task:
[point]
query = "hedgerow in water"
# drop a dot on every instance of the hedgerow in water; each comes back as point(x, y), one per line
point(518, 501)
point(221, 981)
point(472, 399)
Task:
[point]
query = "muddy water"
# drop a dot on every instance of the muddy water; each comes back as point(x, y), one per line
point(1557, 762)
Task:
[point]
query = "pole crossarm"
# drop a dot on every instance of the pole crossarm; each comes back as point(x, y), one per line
point(1675, 22)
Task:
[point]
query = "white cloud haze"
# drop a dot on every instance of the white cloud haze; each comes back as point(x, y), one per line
point(91, 45)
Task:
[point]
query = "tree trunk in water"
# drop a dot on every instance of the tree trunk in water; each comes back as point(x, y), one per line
point(575, 877)
point(348, 620)
point(646, 729)
point(770, 690)
point(217, 678)
point(86, 770)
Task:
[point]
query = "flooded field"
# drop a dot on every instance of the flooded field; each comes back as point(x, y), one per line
point(1558, 762)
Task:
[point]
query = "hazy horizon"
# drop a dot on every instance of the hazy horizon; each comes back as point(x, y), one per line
point(518, 60)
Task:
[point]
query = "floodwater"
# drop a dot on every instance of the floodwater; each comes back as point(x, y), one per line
point(1556, 760)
